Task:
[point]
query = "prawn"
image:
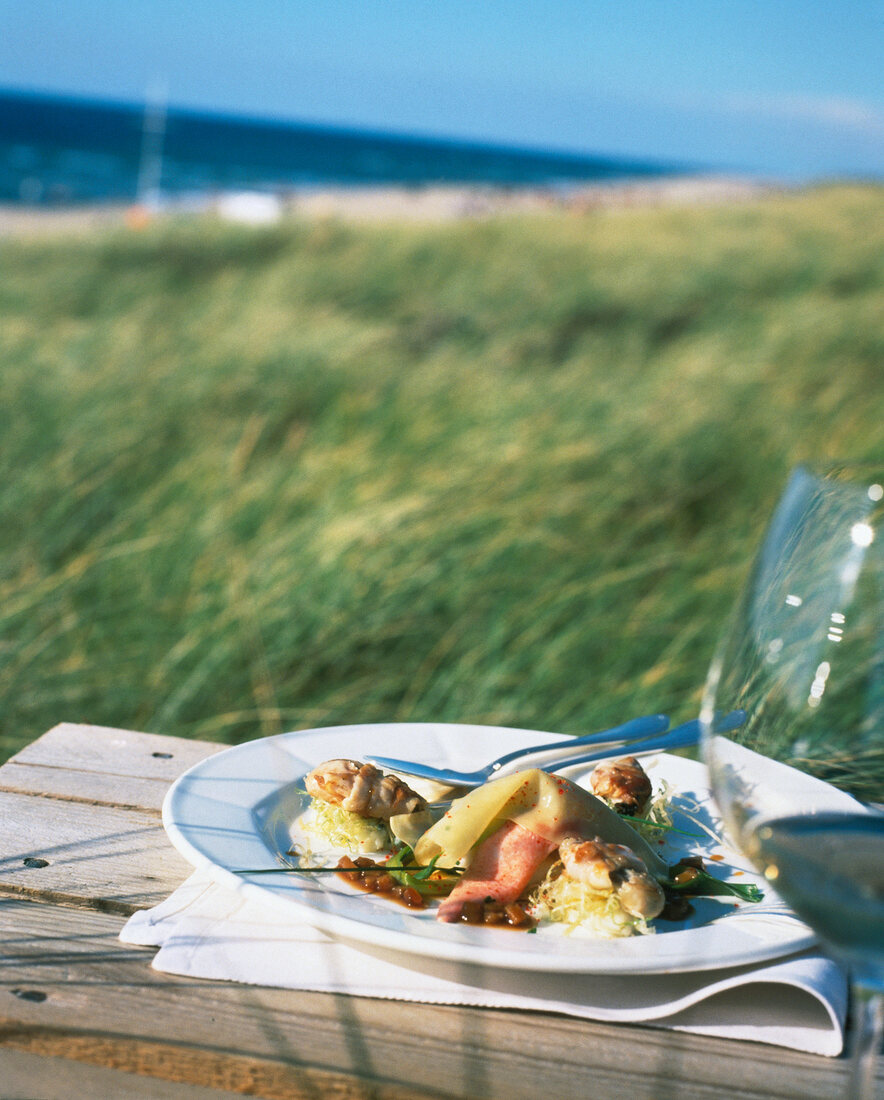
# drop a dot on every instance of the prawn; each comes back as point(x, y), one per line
point(363, 789)
point(623, 783)
point(613, 869)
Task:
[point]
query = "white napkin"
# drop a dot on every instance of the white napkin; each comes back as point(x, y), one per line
point(204, 930)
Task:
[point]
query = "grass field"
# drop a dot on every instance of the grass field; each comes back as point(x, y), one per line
point(504, 472)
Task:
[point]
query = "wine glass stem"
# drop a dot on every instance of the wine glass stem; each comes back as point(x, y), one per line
point(868, 1030)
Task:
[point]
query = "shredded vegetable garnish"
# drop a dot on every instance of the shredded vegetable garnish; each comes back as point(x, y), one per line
point(563, 900)
point(344, 829)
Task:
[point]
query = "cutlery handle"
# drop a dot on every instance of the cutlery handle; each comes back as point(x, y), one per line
point(678, 738)
point(637, 727)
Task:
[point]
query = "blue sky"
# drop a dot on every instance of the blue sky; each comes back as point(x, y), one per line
point(786, 88)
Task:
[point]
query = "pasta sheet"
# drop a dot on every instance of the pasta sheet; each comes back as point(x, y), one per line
point(547, 805)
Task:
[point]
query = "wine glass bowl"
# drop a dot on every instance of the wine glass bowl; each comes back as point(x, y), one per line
point(799, 784)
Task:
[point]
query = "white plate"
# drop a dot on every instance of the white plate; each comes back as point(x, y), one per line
point(239, 810)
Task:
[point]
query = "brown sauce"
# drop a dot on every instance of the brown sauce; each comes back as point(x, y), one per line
point(677, 907)
point(374, 878)
point(494, 914)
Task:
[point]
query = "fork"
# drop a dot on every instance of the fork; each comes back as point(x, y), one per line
point(680, 737)
point(617, 736)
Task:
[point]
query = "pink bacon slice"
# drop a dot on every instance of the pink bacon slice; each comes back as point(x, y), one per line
point(501, 869)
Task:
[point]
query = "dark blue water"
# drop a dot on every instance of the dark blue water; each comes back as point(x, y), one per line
point(56, 150)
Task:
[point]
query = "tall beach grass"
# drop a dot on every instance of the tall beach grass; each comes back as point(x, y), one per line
point(506, 471)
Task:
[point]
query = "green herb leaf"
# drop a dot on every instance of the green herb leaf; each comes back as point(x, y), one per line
point(706, 885)
point(427, 871)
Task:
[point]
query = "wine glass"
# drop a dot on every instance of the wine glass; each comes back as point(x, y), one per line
point(800, 783)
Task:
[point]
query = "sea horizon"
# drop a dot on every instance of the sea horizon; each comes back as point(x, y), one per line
point(70, 150)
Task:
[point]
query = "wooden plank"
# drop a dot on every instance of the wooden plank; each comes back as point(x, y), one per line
point(115, 751)
point(105, 766)
point(69, 989)
point(86, 800)
point(123, 792)
point(26, 1076)
point(79, 853)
